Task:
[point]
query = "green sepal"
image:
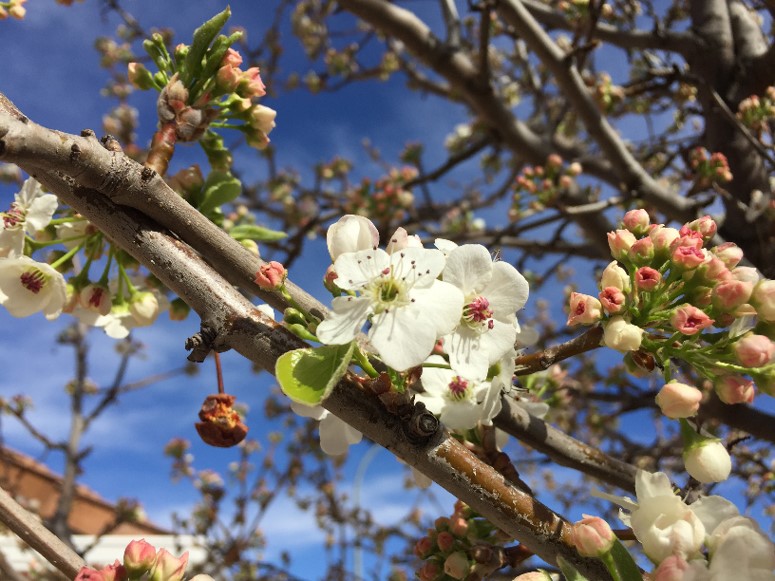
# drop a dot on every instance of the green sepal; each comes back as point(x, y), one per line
point(569, 571)
point(307, 376)
point(219, 188)
point(624, 563)
point(257, 233)
point(214, 58)
point(203, 36)
point(157, 51)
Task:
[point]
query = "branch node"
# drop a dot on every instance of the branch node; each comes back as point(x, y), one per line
point(75, 152)
point(147, 174)
point(88, 133)
point(111, 144)
point(201, 343)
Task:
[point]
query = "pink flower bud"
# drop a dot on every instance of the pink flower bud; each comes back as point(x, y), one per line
point(734, 389)
point(642, 252)
point(708, 461)
point(445, 541)
point(620, 243)
point(729, 253)
point(706, 226)
point(271, 275)
point(688, 238)
point(228, 79)
point(592, 536)
point(615, 276)
point(647, 278)
point(687, 257)
point(673, 568)
point(232, 58)
point(637, 221)
point(423, 547)
point(621, 335)
point(754, 350)
point(763, 298)
point(713, 270)
point(167, 567)
point(730, 294)
point(690, 320)
point(612, 300)
point(114, 572)
point(678, 400)
point(430, 571)
point(746, 273)
point(139, 557)
point(584, 310)
point(663, 238)
point(251, 84)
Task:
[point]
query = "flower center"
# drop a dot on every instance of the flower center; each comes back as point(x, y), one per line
point(458, 388)
point(33, 280)
point(13, 217)
point(388, 291)
point(478, 315)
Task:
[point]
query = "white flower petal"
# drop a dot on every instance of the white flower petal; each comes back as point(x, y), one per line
point(507, 291)
point(337, 436)
point(47, 291)
point(403, 337)
point(356, 269)
point(442, 303)
point(344, 321)
point(351, 233)
point(418, 267)
point(40, 212)
point(469, 267)
point(316, 412)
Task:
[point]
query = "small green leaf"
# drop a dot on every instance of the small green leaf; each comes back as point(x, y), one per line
point(257, 233)
point(569, 571)
point(219, 188)
point(624, 563)
point(203, 36)
point(308, 375)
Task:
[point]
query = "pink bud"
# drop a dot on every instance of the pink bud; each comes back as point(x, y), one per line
point(713, 270)
point(445, 541)
point(642, 252)
point(706, 226)
point(271, 275)
point(620, 243)
point(687, 257)
point(730, 294)
point(734, 389)
point(754, 350)
point(584, 310)
point(430, 571)
point(763, 299)
point(228, 78)
point(423, 547)
point(690, 320)
point(673, 568)
point(663, 237)
point(678, 400)
point(232, 58)
point(647, 278)
point(167, 567)
point(612, 300)
point(729, 253)
point(746, 273)
point(637, 221)
point(139, 557)
point(251, 84)
point(592, 536)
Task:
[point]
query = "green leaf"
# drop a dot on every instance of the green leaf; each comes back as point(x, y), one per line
point(257, 233)
point(203, 36)
point(219, 188)
point(624, 563)
point(569, 571)
point(308, 375)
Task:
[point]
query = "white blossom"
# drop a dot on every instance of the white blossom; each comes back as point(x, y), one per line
point(336, 435)
point(30, 211)
point(351, 233)
point(408, 308)
point(27, 287)
point(493, 292)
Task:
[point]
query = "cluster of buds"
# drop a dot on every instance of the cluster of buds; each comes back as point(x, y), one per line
point(385, 200)
point(757, 112)
point(708, 168)
point(542, 184)
point(142, 561)
point(13, 8)
point(606, 93)
point(463, 546)
point(338, 167)
point(666, 296)
point(579, 9)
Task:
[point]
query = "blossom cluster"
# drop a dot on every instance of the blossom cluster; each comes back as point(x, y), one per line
point(703, 541)
point(541, 185)
point(28, 286)
point(756, 112)
point(667, 296)
point(450, 309)
point(142, 561)
point(708, 168)
point(386, 200)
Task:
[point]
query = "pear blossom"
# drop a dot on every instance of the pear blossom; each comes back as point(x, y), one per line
point(30, 211)
point(336, 435)
point(27, 286)
point(622, 335)
point(351, 233)
point(708, 461)
point(399, 293)
point(456, 399)
point(493, 292)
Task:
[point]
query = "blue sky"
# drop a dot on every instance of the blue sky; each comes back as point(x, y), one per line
point(51, 71)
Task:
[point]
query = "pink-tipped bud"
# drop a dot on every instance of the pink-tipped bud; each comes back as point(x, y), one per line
point(687, 257)
point(690, 320)
point(729, 253)
point(754, 350)
point(232, 58)
point(168, 567)
point(139, 557)
point(678, 400)
point(706, 226)
point(583, 310)
point(637, 221)
point(647, 278)
point(612, 300)
point(642, 252)
point(592, 536)
point(734, 389)
point(673, 568)
point(423, 547)
point(763, 298)
point(728, 295)
point(663, 238)
point(271, 275)
point(620, 242)
point(445, 541)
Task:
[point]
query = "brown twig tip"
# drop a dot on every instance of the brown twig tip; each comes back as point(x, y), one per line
point(542, 360)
